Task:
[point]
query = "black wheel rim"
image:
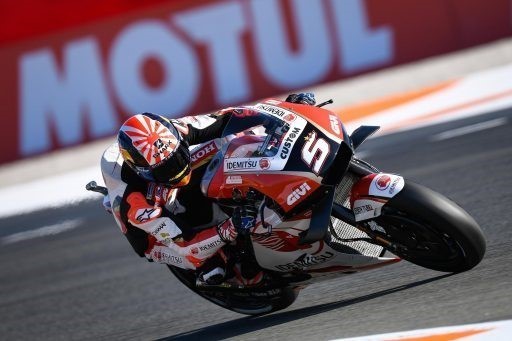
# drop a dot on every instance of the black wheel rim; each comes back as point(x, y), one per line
point(420, 242)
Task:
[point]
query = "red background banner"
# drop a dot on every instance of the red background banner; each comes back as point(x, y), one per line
point(73, 71)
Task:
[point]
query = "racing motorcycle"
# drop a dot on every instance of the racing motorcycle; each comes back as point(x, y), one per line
point(322, 212)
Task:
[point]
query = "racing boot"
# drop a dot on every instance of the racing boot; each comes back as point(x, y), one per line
point(212, 272)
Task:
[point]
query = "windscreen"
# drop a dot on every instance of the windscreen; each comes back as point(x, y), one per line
point(267, 130)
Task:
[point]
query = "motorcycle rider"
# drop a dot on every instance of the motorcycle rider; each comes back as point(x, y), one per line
point(155, 197)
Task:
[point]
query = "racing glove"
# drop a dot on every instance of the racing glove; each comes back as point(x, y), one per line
point(241, 223)
point(244, 219)
point(302, 98)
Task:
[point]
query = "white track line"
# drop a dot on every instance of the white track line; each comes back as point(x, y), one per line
point(55, 191)
point(42, 231)
point(469, 129)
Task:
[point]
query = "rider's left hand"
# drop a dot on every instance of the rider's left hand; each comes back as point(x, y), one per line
point(241, 223)
point(302, 98)
point(244, 219)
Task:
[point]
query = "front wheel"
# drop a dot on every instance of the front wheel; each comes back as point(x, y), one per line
point(429, 230)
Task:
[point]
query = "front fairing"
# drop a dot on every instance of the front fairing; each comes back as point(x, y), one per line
point(276, 151)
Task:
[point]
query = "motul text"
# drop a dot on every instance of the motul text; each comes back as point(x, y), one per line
point(145, 65)
point(181, 58)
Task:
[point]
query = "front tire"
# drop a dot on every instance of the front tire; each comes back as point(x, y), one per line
point(431, 230)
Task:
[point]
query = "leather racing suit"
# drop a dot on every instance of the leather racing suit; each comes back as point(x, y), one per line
point(175, 226)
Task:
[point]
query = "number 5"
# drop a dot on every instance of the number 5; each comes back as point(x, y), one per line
point(315, 152)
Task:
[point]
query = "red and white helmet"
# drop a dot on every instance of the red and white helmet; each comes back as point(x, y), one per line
point(152, 146)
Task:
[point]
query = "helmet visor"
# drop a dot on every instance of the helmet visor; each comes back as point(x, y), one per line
point(172, 170)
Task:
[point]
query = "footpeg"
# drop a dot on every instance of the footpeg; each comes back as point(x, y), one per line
point(93, 187)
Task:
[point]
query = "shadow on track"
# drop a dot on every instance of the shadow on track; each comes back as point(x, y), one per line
point(251, 323)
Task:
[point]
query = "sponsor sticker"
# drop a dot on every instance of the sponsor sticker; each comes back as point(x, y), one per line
point(298, 193)
point(382, 182)
point(240, 164)
point(297, 125)
point(393, 186)
point(159, 228)
point(147, 214)
point(305, 261)
point(264, 163)
point(168, 258)
point(386, 185)
point(363, 209)
point(273, 110)
point(335, 124)
point(203, 152)
point(367, 209)
point(289, 141)
point(234, 180)
point(209, 246)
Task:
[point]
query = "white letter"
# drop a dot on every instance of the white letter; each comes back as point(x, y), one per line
point(220, 27)
point(153, 39)
point(63, 100)
point(283, 67)
point(360, 46)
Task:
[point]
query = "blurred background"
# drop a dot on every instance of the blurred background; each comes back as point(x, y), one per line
point(436, 75)
point(73, 71)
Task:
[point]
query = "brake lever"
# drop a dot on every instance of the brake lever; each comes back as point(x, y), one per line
point(325, 103)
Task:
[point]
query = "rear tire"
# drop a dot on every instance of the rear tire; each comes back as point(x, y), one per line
point(241, 302)
point(436, 232)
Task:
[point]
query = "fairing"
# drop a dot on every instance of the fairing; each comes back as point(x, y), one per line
point(275, 151)
point(285, 151)
point(372, 192)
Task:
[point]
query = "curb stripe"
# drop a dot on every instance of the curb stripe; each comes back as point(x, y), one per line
point(441, 113)
point(487, 331)
point(361, 110)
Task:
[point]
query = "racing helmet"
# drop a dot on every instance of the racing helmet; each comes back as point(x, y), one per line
point(154, 149)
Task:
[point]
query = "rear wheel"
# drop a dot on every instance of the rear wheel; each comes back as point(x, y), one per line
point(429, 230)
point(256, 302)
